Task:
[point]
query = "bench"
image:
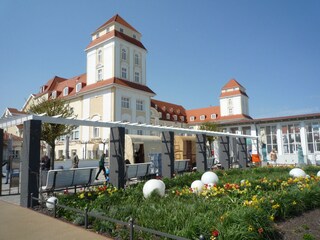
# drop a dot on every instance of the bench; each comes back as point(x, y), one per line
point(137, 170)
point(75, 177)
point(181, 165)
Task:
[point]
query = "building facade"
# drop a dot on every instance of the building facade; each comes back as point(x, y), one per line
point(115, 88)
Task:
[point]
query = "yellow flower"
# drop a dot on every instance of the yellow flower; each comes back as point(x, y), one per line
point(275, 206)
point(294, 203)
point(271, 218)
point(250, 228)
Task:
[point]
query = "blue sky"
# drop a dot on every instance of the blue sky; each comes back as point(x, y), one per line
point(194, 48)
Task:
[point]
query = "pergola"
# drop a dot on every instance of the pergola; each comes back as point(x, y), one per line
point(31, 147)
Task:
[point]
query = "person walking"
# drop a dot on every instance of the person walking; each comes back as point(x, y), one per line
point(75, 160)
point(8, 169)
point(102, 167)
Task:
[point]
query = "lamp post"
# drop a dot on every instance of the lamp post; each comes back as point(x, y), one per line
point(104, 144)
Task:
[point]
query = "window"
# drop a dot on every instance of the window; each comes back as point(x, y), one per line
point(54, 94)
point(202, 117)
point(140, 105)
point(124, 54)
point(124, 72)
point(107, 29)
point(121, 30)
point(139, 132)
point(192, 118)
point(160, 114)
point(78, 87)
point(125, 102)
point(65, 91)
point(136, 77)
point(134, 36)
point(213, 116)
point(75, 134)
point(182, 118)
point(313, 137)
point(136, 59)
point(97, 35)
point(230, 107)
point(290, 137)
point(175, 117)
point(100, 56)
point(168, 116)
point(96, 132)
point(100, 75)
point(270, 133)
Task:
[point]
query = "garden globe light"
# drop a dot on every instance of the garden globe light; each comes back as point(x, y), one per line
point(318, 174)
point(152, 185)
point(297, 172)
point(197, 186)
point(50, 202)
point(209, 177)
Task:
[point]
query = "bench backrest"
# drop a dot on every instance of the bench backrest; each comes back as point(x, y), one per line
point(61, 178)
point(181, 165)
point(137, 170)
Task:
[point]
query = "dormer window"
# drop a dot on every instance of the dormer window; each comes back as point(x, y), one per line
point(78, 87)
point(97, 35)
point(42, 89)
point(134, 36)
point(65, 91)
point(182, 118)
point(202, 117)
point(107, 29)
point(168, 116)
point(192, 118)
point(160, 114)
point(54, 94)
point(121, 30)
point(213, 116)
point(175, 117)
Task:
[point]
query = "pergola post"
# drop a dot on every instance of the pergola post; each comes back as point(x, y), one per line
point(201, 152)
point(167, 157)
point(224, 152)
point(117, 165)
point(30, 162)
point(242, 152)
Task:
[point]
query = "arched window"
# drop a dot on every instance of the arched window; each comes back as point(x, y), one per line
point(100, 56)
point(124, 54)
point(136, 59)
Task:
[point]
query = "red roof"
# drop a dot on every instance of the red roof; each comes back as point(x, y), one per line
point(117, 34)
point(118, 19)
point(232, 84)
point(169, 108)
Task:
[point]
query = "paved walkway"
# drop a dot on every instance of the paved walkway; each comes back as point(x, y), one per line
point(17, 223)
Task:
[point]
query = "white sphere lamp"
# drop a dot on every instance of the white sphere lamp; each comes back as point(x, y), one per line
point(318, 174)
point(154, 185)
point(209, 177)
point(197, 186)
point(297, 172)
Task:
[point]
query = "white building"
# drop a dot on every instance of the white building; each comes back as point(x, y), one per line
point(114, 88)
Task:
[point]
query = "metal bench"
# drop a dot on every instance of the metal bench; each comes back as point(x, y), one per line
point(60, 178)
point(181, 165)
point(137, 170)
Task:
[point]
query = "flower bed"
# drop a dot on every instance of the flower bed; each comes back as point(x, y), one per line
point(243, 205)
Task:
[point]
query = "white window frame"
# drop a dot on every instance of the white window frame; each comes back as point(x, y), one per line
point(124, 72)
point(75, 134)
point(54, 94)
point(202, 117)
point(175, 117)
point(168, 116)
point(78, 87)
point(140, 105)
point(137, 77)
point(136, 59)
point(213, 116)
point(99, 57)
point(192, 119)
point(66, 91)
point(99, 75)
point(96, 132)
point(124, 54)
point(125, 102)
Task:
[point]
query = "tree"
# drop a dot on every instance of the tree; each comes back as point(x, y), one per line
point(50, 132)
point(210, 126)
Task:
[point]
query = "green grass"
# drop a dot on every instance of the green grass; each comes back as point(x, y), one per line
point(243, 212)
